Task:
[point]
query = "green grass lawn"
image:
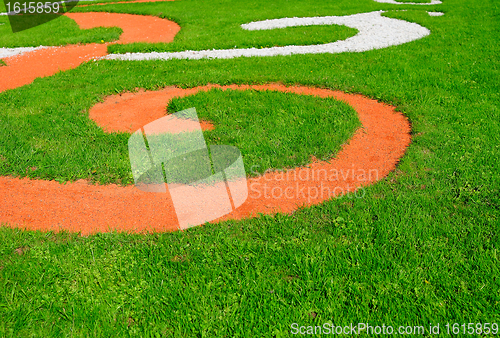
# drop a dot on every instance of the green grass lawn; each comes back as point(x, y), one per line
point(419, 247)
point(63, 30)
point(273, 130)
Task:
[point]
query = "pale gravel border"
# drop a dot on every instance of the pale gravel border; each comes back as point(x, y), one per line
point(8, 52)
point(375, 32)
point(433, 2)
point(435, 13)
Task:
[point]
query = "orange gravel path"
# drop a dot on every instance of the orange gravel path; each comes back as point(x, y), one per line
point(136, 28)
point(369, 156)
point(24, 69)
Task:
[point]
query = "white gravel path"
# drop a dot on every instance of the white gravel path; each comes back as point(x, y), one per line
point(7, 52)
point(433, 2)
point(375, 32)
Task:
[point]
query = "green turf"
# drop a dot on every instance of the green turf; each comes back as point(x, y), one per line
point(273, 130)
point(58, 32)
point(419, 247)
point(236, 37)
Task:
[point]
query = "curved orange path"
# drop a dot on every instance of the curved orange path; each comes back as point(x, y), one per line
point(370, 155)
point(373, 151)
point(24, 69)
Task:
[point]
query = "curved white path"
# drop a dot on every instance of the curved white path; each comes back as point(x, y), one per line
point(375, 32)
point(433, 2)
point(8, 52)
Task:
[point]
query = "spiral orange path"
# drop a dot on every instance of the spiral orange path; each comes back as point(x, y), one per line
point(369, 156)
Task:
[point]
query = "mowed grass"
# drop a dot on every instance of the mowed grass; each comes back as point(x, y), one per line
point(273, 130)
point(58, 32)
point(236, 37)
point(197, 37)
point(419, 247)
